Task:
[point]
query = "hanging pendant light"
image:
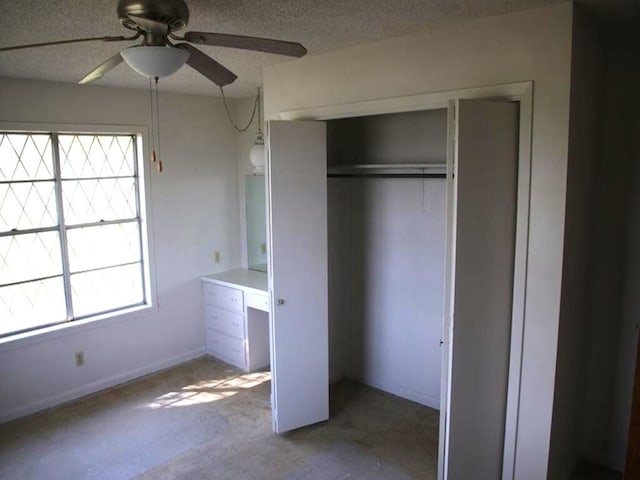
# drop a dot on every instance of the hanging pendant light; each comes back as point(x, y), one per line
point(257, 154)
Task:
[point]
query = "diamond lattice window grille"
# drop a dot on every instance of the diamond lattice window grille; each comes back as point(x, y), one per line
point(103, 290)
point(27, 205)
point(88, 201)
point(29, 256)
point(91, 156)
point(29, 305)
point(103, 246)
point(25, 156)
point(82, 260)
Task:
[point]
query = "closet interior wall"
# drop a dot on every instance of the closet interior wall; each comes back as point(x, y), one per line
point(386, 238)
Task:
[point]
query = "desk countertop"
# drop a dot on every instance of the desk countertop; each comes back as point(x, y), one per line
point(240, 278)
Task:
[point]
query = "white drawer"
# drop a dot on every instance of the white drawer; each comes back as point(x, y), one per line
point(226, 348)
point(257, 301)
point(223, 321)
point(223, 297)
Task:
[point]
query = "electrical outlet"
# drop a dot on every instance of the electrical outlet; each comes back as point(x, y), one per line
point(263, 248)
point(216, 256)
point(79, 359)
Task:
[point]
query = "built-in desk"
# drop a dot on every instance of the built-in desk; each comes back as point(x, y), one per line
point(236, 308)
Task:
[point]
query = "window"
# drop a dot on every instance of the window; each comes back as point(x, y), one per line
point(71, 239)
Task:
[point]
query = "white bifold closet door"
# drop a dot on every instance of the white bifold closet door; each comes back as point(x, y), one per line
point(297, 206)
point(483, 243)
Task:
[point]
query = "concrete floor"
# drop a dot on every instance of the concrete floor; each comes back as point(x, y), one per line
point(207, 420)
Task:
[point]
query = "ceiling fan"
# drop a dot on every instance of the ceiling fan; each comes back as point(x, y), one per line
point(156, 21)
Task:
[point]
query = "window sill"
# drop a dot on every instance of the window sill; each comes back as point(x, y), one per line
point(75, 327)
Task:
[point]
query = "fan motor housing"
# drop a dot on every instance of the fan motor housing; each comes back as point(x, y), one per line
point(173, 13)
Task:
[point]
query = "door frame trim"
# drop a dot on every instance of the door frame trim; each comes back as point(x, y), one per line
point(521, 92)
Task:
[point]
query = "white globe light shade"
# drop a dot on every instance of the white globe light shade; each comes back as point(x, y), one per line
point(257, 156)
point(152, 61)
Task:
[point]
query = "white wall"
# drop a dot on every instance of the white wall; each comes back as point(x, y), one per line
point(573, 336)
point(408, 137)
point(386, 255)
point(193, 210)
point(386, 283)
point(614, 305)
point(627, 336)
point(531, 45)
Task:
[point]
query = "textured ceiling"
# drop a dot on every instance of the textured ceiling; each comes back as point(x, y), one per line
point(320, 25)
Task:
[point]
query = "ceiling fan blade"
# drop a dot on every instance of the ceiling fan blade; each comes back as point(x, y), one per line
point(280, 47)
point(102, 69)
point(207, 66)
point(150, 26)
point(75, 40)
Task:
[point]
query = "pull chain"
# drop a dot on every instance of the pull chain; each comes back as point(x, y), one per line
point(159, 164)
point(155, 124)
point(153, 128)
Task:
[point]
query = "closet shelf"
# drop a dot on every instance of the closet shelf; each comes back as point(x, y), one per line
point(410, 170)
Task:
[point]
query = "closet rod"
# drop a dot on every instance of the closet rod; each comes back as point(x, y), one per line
point(386, 166)
point(389, 170)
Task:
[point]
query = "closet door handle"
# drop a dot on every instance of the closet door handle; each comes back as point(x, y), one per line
point(280, 301)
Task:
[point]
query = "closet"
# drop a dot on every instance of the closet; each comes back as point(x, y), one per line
point(386, 213)
point(375, 258)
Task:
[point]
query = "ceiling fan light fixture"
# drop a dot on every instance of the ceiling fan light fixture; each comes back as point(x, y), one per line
point(155, 61)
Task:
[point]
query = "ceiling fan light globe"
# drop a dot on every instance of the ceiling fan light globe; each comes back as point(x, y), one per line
point(155, 61)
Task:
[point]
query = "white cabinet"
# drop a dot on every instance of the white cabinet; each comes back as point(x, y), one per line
point(224, 297)
point(223, 321)
point(236, 309)
point(257, 301)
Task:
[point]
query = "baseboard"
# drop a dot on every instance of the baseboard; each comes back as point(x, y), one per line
point(96, 386)
point(614, 462)
point(568, 471)
point(402, 392)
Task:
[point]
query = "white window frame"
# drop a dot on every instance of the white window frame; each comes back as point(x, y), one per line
point(146, 227)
